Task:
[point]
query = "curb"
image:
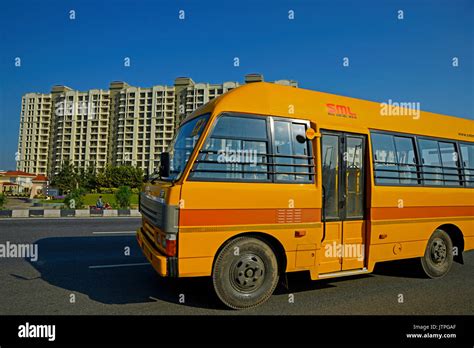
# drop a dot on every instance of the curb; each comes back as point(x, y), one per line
point(61, 213)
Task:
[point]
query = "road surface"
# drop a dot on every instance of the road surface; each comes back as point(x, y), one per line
point(87, 260)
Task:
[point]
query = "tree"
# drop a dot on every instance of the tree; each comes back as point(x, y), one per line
point(102, 179)
point(3, 200)
point(75, 199)
point(67, 178)
point(123, 197)
point(70, 178)
point(120, 176)
point(87, 178)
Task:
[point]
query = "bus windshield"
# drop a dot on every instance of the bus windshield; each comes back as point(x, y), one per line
point(183, 145)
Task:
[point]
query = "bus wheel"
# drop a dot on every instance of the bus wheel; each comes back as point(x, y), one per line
point(438, 257)
point(245, 273)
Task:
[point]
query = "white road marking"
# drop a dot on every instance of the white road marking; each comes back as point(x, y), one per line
point(115, 232)
point(119, 265)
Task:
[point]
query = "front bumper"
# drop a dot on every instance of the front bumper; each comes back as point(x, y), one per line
point(165, 266)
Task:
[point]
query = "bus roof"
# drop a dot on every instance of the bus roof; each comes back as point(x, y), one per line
point(330, 111)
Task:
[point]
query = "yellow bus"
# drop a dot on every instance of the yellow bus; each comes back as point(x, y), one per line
point(270, 179)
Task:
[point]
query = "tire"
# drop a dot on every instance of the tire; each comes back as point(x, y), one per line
point(438, 257)
point(245, 273)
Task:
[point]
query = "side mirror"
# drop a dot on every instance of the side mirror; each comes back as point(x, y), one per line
point(301, 139)
point(164, 165)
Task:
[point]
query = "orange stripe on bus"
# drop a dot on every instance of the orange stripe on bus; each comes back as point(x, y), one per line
point(222, 217)
point(420, 212)
point(225, 217)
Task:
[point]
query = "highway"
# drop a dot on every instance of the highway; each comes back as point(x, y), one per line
point(94, 266)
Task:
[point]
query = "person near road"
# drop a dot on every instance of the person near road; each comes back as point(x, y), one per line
point(99, 204)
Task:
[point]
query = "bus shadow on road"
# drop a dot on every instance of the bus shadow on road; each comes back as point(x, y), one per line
point(301, 282)
point(408, 268)
point(65, 262)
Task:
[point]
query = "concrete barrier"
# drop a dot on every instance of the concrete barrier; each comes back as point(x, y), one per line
point(5, 213)
point(68, 212)
point(96, 211)
point(110, 212)
point(20, 213)
point(58, 213)
point(36, 213)
point(82, 213)
point(52, 213)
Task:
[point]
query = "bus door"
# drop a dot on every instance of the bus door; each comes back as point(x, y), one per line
point(344, 227)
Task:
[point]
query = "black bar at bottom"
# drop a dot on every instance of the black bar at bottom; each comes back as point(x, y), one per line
point(290, 330)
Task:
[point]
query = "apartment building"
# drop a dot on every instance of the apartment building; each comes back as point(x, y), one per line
point(191, 95)
point(80, 128)
point(115, 89)
point(34, 136)
point(145, 125)
point(124, 125)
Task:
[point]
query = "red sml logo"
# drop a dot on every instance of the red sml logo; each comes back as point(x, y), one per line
point(340, 110)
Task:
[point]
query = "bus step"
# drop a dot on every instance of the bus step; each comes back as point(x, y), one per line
point(343, 273)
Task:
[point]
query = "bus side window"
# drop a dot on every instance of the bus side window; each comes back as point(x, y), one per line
point(431, 159)
point(290, 154)
point(450, 161)
point(385, 159)
point(467, 153)
point(300, 149)
point(407, 164)
point(283, 148)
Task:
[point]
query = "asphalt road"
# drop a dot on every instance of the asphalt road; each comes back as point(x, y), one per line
point(87, 258)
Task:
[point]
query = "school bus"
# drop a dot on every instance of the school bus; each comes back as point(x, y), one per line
point(270, 179)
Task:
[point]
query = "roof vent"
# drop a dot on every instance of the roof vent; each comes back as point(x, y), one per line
point(249, 78)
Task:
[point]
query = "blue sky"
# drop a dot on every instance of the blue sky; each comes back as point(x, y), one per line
point(404, 60)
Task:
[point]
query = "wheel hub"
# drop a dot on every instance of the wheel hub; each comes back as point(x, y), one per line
point(247, 273)
point(438, 251)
